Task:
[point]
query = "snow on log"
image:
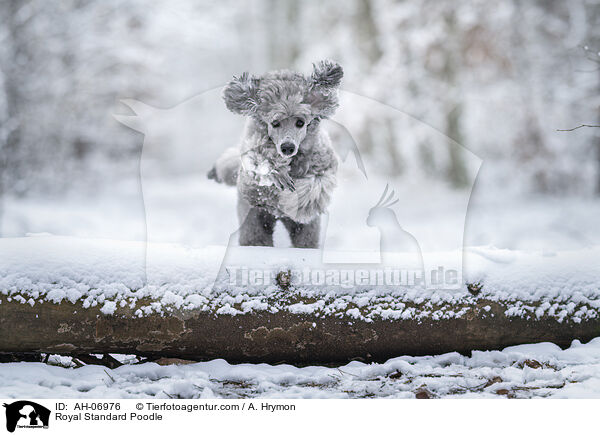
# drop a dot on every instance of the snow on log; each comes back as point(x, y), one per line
point(69, 296)
point(69, 328)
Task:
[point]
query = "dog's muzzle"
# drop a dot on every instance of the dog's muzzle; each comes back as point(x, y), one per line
point(287, 148)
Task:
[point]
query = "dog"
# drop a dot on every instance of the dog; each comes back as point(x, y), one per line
point(285, 167)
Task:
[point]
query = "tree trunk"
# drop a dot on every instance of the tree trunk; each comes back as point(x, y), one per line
point(68, 328)
point(456, 172)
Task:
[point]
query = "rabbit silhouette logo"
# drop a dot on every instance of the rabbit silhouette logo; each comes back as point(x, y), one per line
point(393, 238)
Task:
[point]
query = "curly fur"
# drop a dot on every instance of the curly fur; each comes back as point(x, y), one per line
point(284, 109)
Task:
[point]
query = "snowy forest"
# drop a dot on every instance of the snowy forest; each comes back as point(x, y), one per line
point(482, 120)
point(498, 80)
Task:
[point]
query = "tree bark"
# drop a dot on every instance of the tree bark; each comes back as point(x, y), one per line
point(70, 329)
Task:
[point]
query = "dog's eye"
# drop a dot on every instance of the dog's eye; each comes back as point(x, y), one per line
point(299, 123)
point(275, 124)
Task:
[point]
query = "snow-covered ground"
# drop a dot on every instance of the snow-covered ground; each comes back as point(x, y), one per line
point(541, 249)
point(536, 370)
point(198, 212)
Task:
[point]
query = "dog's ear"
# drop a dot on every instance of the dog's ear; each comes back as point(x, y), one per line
point(326, 74)
point(241, 94)
point(322, 92)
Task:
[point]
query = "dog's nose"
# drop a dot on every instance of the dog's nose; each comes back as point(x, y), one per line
point(288, 148)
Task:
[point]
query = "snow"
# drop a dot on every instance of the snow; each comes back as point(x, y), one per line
point(533, 370)
point(114, 274)
point(539, 250)
point(537, 253)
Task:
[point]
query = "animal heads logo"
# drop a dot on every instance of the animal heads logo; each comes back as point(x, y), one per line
point(26, 414)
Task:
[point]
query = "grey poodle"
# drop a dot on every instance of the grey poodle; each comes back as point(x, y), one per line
point(285, 167)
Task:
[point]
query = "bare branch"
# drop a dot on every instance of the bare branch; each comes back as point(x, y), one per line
point(579, 126)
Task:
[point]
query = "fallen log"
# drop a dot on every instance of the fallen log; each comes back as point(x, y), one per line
point(83, 296)
point(69, 328)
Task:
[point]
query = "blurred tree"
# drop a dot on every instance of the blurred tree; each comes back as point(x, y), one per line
point(592, 50)
point(63, 65)
point(452, 61)
point(284, 34)
point(498, 80)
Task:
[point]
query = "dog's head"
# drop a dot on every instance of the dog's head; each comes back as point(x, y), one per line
point(286, 102)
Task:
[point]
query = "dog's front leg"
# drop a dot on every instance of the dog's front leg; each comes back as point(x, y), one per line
point(252, 189)
point(304, 235)
point(257, 228)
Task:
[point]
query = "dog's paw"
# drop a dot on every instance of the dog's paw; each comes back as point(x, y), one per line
point(283, 181)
